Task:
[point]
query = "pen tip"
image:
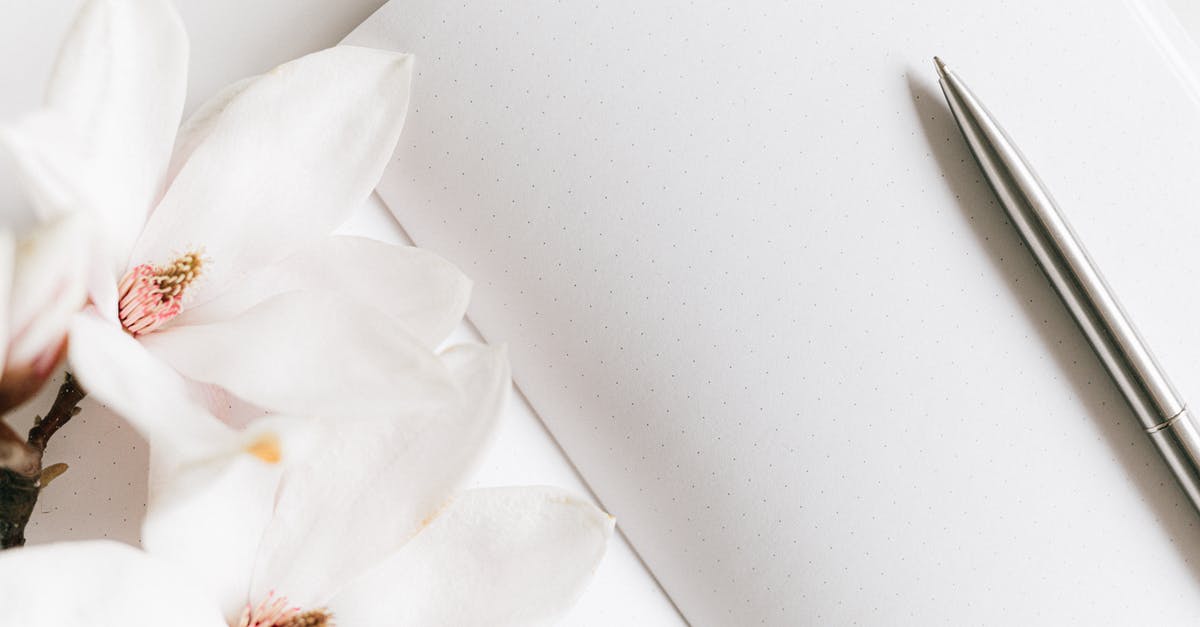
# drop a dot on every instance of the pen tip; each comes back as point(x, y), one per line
point(940, 65)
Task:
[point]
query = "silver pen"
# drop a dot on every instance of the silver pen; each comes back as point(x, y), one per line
point(1091, 302)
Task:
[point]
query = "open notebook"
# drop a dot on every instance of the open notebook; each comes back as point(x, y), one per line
point(753, 283)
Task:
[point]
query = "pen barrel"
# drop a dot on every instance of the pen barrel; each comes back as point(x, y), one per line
point(1071, 272)
point(1063, 259)
point(1178, 440)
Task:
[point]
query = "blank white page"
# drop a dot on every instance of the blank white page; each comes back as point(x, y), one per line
point(752, 281)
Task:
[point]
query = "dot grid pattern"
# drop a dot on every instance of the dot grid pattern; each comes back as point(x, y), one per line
point(754, 284)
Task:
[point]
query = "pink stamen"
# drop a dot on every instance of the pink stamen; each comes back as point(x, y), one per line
point(148, 296)
point(272, 612)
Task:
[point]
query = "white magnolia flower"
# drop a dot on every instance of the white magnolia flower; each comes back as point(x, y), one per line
point(214, 261)
point(497, 557)
point(41, 288)
point(327, 521)
point(213, 247)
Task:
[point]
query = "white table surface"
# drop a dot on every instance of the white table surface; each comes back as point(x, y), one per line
point(103, 493)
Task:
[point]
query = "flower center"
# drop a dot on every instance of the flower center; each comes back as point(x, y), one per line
point(151, 295)
point(275, 611)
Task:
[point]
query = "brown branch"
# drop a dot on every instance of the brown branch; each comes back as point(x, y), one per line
point(64, 408)
point(18, 495)
point(19, 487)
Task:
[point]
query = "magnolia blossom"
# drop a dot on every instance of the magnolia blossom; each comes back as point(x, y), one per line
point(212, 245)
point(213, 265)
point(41, 288)
point(294, 522)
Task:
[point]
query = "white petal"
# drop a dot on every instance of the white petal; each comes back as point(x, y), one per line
point(309, 354)
point(99, 583)
point(497, 557)
point(282, 164)
point(208, 521)
point(119, 86)
point(48, 288)
point(230, 409)
point(53, 163)
point(208, 517)
point(368, 486)
point(114, 368)
point(48, 155)
point(425, 292)
point(201, 123)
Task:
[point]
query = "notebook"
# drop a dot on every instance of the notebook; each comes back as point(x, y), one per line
point(753, 283)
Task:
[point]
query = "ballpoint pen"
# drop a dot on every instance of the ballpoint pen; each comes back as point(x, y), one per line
point(1071, 272)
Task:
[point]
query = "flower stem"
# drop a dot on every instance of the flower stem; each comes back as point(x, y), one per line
point(20, 485)
point(18, 495)
point(64, 409)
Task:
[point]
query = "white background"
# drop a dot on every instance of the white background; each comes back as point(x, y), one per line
point(232, 39)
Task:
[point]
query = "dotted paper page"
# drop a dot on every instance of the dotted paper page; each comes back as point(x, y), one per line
point(753, 283)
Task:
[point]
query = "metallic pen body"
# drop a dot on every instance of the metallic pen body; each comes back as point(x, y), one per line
point(1071, 272)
